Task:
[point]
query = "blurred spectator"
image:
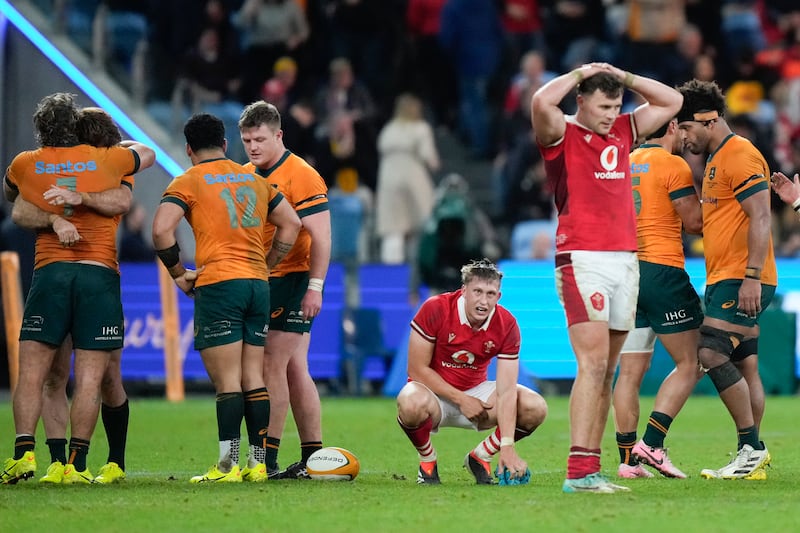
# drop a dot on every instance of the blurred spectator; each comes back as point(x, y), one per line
point(270, 29)
point(652, 32)
point(789, 230)
point(208, 82)
point(345, 104)
point(522, 23)
point(352, 219)
point(211, 72)
point(365, 32)
point(741, 28)
point(431, 70)
point(404, 190)
point(456, 232)
point(575, 32)
point(278, 90)
point(133, 246)
point(472, 35)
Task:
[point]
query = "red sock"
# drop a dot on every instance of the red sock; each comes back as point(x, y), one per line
point(420, 437)
point(582, 462)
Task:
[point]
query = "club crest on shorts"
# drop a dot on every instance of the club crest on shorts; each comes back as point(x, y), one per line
point(598, 301)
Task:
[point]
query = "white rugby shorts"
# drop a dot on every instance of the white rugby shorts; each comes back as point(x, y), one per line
point(599, 286)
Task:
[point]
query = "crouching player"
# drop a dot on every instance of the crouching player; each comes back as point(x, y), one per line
point(454, 337)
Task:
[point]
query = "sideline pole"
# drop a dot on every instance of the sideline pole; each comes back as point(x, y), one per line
point(173, 366)
point(12, 310)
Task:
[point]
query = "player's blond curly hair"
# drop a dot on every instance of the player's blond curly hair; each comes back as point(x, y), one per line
point(481, 269)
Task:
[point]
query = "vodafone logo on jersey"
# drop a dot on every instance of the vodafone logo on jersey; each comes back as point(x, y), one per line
point(609, 159)
point(463, 357)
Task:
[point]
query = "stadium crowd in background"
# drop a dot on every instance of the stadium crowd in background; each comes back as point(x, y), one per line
point(392, 47)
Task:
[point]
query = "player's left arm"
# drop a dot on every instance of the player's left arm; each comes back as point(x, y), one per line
point(287, 226)
point(318, 226)
point(757, 208)
point(28, 215)
point(507, 374)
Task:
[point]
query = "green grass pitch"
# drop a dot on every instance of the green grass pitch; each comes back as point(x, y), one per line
point(168, 443)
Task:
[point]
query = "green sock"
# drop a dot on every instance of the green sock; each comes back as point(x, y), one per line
point(273, 445)
point(78, 450)
point(115, 422)
point(749, 436)
point(58, 450)
point(307, 448)
point(657, 428)
point(256, 417)
point(230, 411)
point(625, 443)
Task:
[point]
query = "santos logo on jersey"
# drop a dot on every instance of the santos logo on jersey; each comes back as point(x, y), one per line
point(227, 178)
point(67, 167)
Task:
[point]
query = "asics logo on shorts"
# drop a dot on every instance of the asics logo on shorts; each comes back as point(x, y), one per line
point(276, 313)
point(728, 304)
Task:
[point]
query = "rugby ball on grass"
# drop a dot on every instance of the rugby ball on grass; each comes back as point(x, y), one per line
point(333, 463)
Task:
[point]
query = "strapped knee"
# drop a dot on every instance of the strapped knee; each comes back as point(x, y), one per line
point(724, 376)
point(719, 340)
point(746, 348)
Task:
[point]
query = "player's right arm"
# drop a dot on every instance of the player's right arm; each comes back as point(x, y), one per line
point(111, 202)
point(420, 355)
point(147, 156)
point(691, 213)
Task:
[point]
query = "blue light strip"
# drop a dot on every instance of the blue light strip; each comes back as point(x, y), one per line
point(85, 84)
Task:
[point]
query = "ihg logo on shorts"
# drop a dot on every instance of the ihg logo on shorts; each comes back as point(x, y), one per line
point(109, 333)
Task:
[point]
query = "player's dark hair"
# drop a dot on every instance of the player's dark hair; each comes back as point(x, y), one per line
point(96, 127)
point(260, 113)
point(700, 97)
point(54, 120)
point(660, 132)
point(204, 130)
point(606, 83)
point(481, 269)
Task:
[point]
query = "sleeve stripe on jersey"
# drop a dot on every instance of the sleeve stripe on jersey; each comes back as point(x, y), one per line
point(128, 184)
point(11, 186)
point(680, 193)
point(758, 187)
point(274, 203)
point(749, 180)
point(418, 329)
point(177, 201)
point(312, 209)
point(315, 197)
point(136, 162)
point(508, 356)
